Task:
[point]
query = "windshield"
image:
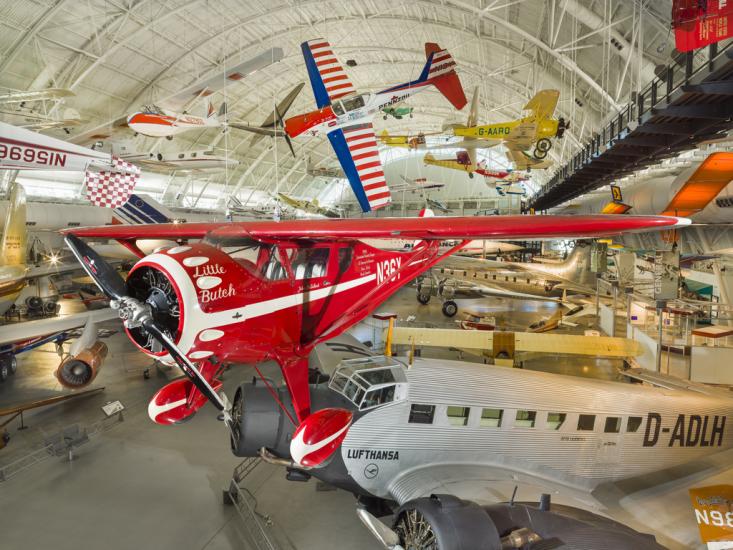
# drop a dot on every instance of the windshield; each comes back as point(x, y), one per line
point(353, 103)
point(258, 258)
point(369, 382)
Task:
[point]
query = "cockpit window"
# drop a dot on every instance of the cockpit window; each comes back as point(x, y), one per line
point(351, 103)
point(310, 263)
point(337, 108)
point(258, 258)
point(369, 382)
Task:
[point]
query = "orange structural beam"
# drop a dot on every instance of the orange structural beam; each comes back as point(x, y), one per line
point(704, 184)
point(615, 208)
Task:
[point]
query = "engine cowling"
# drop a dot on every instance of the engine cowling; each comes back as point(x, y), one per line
point(80, 370)
point(186, 286)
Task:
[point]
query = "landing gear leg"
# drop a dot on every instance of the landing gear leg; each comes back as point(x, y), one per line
point(295, 372)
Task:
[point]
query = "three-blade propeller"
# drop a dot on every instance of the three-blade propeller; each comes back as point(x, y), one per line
point(138, 314)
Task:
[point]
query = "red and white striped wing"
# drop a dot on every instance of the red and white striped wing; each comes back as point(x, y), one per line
point(362, 143)
point(334, 78)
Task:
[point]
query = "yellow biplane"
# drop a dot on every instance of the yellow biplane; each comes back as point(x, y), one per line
point(537, 128)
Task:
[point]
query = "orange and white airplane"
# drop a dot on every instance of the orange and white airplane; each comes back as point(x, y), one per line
point(173, 119)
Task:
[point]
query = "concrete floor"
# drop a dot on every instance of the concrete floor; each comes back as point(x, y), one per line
point(139, 485)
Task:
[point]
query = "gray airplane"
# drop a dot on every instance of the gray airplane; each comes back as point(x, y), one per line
point(474, 277)
point(417, 441)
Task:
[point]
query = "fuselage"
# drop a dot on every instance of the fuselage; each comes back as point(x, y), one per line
point(535, 129)
point(530, 278)
point(446, 421)
point(167, 123)
point(349, 111)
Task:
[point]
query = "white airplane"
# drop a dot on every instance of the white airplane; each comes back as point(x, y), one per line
point(22, 149)
point(417, 440)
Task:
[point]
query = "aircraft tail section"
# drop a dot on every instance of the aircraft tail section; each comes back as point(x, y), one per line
point(220, 113)
point(140, 209)
point(15, 234)
point(440, 71)
point(543, 104)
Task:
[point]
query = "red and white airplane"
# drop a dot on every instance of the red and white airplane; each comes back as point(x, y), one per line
point(245, 292)
point(109, 179)
point(156, 122)
point(346, 116)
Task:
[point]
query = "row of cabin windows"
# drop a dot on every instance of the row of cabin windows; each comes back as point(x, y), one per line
point(458, 416)
point(486, 276)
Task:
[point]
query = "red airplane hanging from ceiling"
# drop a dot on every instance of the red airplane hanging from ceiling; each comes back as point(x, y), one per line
point(247, 292)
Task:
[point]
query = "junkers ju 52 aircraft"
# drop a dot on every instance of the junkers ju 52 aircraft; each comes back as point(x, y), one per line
point(252, 291)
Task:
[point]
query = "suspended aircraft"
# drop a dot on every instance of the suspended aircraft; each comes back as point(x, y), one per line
point(345, 116)
point(537, 128)
point(251, 291)
point(174, 117)
point(416, 184)
point(398, 111)
point(22, 149)
point(311, 207)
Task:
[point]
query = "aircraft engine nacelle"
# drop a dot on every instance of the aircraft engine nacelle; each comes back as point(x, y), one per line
point(80, 370)
point(196, 296)
point(259, 422)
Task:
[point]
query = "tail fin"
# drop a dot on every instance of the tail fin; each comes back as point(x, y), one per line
point(15, 235)
point(141, 209)
point(440, 71)
point(222, 110)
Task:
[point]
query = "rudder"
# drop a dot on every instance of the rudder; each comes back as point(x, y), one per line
point(440, 71)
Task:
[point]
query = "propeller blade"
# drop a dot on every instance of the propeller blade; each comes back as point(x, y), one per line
point(113, 286)
point(188, 368)
point(285, 134)
point(104, 275)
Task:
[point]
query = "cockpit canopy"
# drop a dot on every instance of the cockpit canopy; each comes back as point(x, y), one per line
point(152, 110)
point(350, 103)
point(370, 382)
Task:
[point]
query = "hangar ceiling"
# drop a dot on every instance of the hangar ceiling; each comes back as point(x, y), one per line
point(117, 55)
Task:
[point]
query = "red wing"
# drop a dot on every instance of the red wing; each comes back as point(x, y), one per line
point(437, 228)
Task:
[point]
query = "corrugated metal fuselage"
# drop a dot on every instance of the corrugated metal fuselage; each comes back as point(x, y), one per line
point(391, 457)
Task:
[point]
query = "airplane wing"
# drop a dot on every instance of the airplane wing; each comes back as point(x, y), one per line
point(328, 78)
point(356, 149)
point(543, 103)
point(522, 136)
point(35, 95)
point(222, 78)
point(431, 228)
point(523, 161)
point(18, 332)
